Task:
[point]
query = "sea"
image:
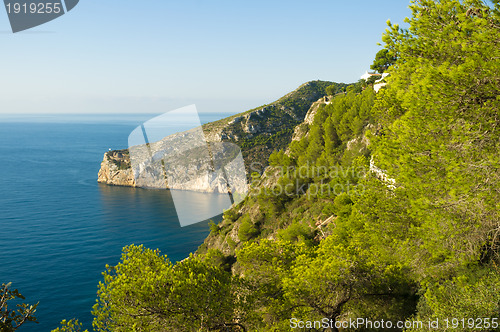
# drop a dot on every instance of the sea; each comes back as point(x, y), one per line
point(59, 227)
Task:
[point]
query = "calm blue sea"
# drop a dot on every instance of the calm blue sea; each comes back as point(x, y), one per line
point(59, 227)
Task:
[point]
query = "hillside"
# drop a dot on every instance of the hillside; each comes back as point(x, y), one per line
point(269, 212)
point(258, 132)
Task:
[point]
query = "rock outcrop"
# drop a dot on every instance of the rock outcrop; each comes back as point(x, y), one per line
point(115, 169)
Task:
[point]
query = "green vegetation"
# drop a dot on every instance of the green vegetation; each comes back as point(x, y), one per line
point(72, 325)
point(424, 246)
point(301, 99)
point(276, 123)
point(334, 125)
point(383, 60)
point(11, 320)
point(248, 230)
point(387, 208)
point(145, 292)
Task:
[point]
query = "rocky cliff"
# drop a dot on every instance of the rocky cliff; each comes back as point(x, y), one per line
point(115, 169)
point(257, 132)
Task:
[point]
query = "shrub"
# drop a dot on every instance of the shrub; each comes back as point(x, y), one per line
point(247, 230)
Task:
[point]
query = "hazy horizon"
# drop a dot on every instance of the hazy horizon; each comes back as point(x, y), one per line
point(152, 57)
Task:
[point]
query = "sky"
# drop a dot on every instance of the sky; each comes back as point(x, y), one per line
point(152, 56)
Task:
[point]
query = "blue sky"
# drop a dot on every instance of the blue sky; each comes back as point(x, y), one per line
point(151, 56)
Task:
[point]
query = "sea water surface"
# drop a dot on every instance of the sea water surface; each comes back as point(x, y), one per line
point(59, 228)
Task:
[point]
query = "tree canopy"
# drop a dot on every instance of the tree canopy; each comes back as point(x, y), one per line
point(13, 319)
point(146, 292)
point(383, 60)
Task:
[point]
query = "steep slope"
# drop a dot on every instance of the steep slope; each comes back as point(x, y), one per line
point(287, 201)
point(257, 132)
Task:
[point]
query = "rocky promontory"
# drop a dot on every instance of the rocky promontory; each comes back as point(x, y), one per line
point(116, 170)
point(257, 132)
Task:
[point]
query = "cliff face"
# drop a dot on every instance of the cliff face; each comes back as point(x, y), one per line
point(258, 132)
